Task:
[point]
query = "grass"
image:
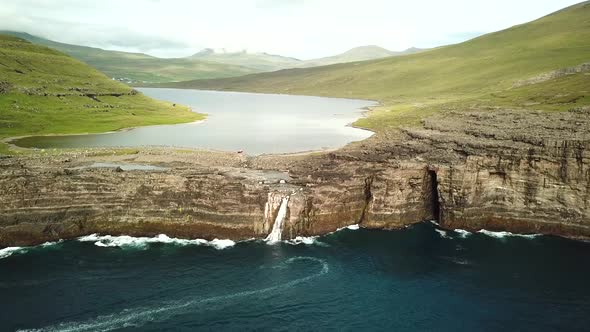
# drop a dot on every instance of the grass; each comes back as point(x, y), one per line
point(43, 91)
point(139, 67)
point(477, 73)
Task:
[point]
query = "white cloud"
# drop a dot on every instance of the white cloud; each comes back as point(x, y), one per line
point(299, 28)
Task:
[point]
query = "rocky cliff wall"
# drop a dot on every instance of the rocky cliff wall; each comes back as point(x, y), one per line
point(502, 170)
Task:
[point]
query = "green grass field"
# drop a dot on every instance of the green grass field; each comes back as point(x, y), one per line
point(480, 73)
point(139, 67)
point(43, 91)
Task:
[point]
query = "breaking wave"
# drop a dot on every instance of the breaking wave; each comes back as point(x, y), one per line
point(124, 241)
point(501, 235)
point(308, 240)
point(139, 316)
point(461, 233)
point(7, 252)
point(314, 240)
point(442, 233)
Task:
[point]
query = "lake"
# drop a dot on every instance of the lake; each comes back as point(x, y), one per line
point(418, 279)
point(254, 123)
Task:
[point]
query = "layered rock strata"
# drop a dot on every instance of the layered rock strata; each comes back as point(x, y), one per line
point(525, 172)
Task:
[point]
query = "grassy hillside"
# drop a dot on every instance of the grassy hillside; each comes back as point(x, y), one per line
point(361, 53)
point(43, 91)
point(480, 73)
point(139, 67)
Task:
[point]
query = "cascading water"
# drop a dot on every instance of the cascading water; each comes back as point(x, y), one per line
point(277, 228)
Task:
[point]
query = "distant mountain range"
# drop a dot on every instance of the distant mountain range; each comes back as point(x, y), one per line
point(136, 68)
point(139, 67)
point(260, 62)
point(269, 62)
point(361, 53)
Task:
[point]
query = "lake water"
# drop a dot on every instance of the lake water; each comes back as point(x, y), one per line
point(255, 123)
point(417, 279)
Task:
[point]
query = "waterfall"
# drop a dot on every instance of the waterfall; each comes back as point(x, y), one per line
point(277, 228)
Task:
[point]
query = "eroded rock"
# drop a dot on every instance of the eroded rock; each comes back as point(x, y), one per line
point(524, 172)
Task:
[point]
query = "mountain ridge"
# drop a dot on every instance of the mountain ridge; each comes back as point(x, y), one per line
point(359, 53)
point(138, 68)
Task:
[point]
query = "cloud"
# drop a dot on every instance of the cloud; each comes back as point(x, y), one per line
point(298, 28)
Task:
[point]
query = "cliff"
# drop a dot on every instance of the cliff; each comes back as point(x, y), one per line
point(525, 172)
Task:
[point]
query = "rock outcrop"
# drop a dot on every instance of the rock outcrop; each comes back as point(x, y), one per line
point(525, 172)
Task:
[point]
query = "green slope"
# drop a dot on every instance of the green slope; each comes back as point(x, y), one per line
point(43, 91)
point(477, 73)
point(139, 67)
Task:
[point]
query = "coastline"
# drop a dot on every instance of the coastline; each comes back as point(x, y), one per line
point(10, 140)
point(466, 177)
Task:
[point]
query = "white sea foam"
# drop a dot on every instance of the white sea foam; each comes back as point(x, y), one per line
point(6, 252)
point(434, 222)
point(136, 317)
point(462, 233)
point(11, 250)
point(442, 233)
point(49, 244)
point(221, 243)
point(308, 240)
point(501, 235)
point(353, 227)
point(142, 242)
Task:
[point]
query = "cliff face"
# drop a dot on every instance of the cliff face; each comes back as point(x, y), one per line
point(501, 170)
point(545, 190)
point(526, 173)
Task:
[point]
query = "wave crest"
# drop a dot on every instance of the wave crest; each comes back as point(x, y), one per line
point(124, 241)
point(501, 235)
point(7, 252)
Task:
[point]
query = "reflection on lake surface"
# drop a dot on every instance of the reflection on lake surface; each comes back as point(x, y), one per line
point(255, 123)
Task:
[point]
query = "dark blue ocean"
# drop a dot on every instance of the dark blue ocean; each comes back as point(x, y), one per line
point(416, 279)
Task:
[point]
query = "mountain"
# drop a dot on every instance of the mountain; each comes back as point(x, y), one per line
point(139, 67)
point(265, 62)
point(259, 61)
point(537, 65)
point(44, 91)
point(361, 53)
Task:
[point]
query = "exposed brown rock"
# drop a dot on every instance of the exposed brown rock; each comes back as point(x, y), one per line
point(525, 172)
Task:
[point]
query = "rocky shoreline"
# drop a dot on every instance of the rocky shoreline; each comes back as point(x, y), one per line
point(502, 170)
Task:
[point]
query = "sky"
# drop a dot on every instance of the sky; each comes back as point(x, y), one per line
point(303, 29)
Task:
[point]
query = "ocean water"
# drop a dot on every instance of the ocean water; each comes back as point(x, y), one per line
point(417, 279)
point(252, 122)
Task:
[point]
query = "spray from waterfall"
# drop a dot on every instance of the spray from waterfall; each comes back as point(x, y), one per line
point(277, 228)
